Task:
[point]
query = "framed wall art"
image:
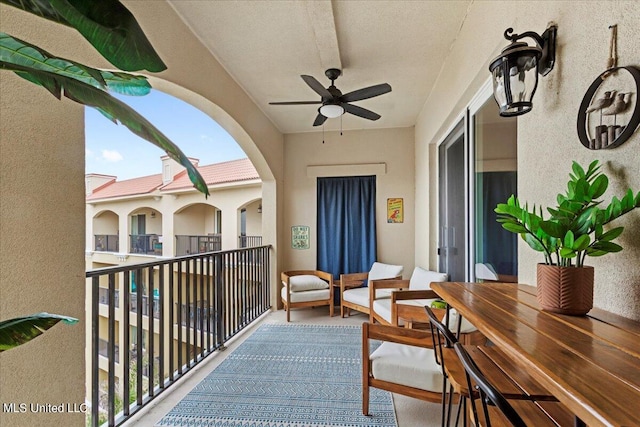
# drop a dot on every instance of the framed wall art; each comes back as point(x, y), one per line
point(300, 237)
point(395, 210)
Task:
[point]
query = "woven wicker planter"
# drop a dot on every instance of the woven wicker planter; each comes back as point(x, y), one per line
point(565, 290)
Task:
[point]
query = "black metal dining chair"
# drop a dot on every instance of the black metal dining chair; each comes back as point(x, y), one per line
point(487, 392)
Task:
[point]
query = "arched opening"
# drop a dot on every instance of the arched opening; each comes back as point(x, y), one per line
point(197, 229)
point(145, 231)
point(106, 232)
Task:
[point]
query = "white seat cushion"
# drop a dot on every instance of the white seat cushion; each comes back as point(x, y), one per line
point(384, 271)
point(407, 365)
point(359, 296)
point(306, 282)
point(421, 279)
point(315, 295)
point(382, 307)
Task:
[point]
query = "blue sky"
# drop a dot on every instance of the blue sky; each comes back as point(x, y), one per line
point(113, 150)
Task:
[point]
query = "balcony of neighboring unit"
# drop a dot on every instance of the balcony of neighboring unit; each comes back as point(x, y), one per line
point(133, 304)
point(106, 243)
point(145, 244)
point(103, 350)
point(198, 244)
point(249, 241)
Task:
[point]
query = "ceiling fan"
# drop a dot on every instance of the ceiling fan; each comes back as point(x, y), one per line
point(334, 103)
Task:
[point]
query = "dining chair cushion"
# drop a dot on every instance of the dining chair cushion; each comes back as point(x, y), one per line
point(306, 282)
point(380, 271)
point(421, 279)
point(407, 365)
point(313, 295)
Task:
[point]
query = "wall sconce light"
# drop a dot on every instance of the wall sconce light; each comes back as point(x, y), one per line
point(260, 209)
point(153, 214)
point(515, 71)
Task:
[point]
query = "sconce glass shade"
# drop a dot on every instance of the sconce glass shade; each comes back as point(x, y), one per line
point(331, 111)
point(515, 78)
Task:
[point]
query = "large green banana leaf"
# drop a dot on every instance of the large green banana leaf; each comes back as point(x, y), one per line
point(106, 24)
point(15, 332)
point(20, 52)
point(112, 108)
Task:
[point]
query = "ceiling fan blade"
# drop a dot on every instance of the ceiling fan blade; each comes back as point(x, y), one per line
point(367, 92)
point(295, 103)
point(317, 86)
point(360, 112)
point(320, 119)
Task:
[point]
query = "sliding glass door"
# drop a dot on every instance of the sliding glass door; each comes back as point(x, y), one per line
point(477, 170)
point(453, 224)
point(494, 141)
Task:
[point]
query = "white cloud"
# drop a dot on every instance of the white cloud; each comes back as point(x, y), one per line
point(111, 155)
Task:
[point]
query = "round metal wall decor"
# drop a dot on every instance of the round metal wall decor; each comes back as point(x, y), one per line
point(609, 133)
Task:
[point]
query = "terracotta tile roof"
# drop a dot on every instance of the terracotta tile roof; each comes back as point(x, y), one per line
point(128, 187)
point(218, 173)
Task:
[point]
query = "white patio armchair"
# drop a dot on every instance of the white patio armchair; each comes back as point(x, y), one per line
point(405, 306)
point(408, 296)
point(306, 288)
point(353, 293)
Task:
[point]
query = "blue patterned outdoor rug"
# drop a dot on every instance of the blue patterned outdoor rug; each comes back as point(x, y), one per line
point(287, 376)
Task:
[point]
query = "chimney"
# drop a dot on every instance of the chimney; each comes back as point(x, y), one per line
point(171, 168)
point(92, 181)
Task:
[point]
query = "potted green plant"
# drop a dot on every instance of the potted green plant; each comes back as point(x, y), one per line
point(574, 230)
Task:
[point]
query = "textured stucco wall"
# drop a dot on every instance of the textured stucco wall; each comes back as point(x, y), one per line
point(41, 238)
point(547, 138)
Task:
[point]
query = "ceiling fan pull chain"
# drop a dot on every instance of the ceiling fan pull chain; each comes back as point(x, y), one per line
point(323, 133)
point(340, 125)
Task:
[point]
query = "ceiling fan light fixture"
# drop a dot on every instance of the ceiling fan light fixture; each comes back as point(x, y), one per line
point(331, 111)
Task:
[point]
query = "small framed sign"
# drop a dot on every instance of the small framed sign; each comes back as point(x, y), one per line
point(300, 237)
point(395, 210)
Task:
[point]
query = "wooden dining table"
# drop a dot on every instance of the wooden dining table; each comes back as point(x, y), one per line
point(589, 363)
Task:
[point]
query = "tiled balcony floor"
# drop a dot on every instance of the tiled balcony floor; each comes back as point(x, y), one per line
point(409, 412)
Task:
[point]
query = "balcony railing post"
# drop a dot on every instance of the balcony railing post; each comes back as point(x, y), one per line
point(219, 289)
point(151, 317)
point(111, 349)
point(139, 336)
point(95, 336)
point(126, 316)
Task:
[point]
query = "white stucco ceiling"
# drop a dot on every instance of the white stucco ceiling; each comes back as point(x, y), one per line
point(267, 45)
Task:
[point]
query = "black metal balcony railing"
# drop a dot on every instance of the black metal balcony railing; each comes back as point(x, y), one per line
point(249, 241)
point(106, 242)
point(188, 245)
point(148, 244)
point(199, 302)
